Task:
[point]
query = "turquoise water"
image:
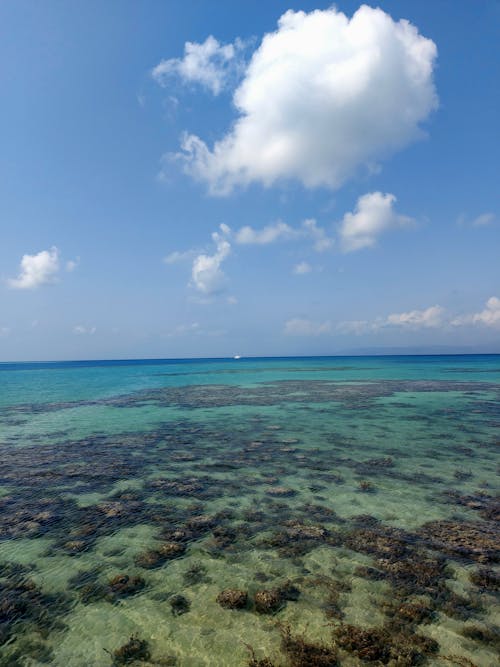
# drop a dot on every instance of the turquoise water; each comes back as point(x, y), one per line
point(263, 512)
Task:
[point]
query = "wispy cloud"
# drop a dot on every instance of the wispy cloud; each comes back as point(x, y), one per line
point(210, 64)
point(427, 318)
point(72, 264)
point(304, 327)
point(281, 231)
point(278, 231)
point(184, 329)
point(81, 330)
point(479, 221)
point(302, 268)
point(177, 257)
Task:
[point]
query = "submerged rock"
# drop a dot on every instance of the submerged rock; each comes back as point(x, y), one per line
point(478, 541)
point(280, 492)
point(179, 605)
point(73, 547)
point(134, 649)
point(157, 557)
point(381, 646)
point(233, 598)
point(303, 653)
point(124, 585)
point(487, 580)
point(268, 601)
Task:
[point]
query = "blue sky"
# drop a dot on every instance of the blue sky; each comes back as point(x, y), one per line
point(332, 187)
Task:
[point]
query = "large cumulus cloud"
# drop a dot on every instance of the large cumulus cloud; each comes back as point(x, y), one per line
point(322, 97)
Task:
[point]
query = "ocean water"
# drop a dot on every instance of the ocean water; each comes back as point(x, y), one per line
point(286, 512)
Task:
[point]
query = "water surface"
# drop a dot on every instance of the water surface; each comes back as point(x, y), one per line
point(354, 500)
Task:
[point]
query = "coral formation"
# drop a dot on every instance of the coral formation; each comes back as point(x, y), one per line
point(233, 598)
point(134, 650)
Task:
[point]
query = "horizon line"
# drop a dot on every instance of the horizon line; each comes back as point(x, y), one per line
point(255, 357)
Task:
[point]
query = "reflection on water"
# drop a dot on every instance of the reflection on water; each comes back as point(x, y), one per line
point(321, 513)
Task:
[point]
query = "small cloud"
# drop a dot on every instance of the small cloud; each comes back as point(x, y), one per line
point(372, 216)
point(483, 220)
point(81, 330)
point(185, 329)
point(176, 256)
point(210, 64)
point(72, 264)
point(321, 241)
point(303, 327)
point(489, 317)
point(37, 270)
point(301, 268)
point(207, 276)
point(4, 331)
point(232, 300)
point(480, 221)
point(356, 327)
point(278, 231)
point(416, 319)
point(431, 317)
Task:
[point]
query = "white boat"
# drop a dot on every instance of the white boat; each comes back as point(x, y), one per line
point(237, 356)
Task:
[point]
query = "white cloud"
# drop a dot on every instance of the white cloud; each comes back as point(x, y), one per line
point(321, 241)
point(303, 327)
point(416, 319)
point(176, 256)
point(81, 330)
point(278, 231)
point(37, 270)
point(489, 317)
point(72, 264)
point(356, 327)
point(479, 221)
point(322, 96)
point(183, 329)
point(301, 268)
point(373, 215)
point(428, 318)
point(483, 219)
point(232, 300)
point(210, 64)
point(206, 274)
point(4, 331)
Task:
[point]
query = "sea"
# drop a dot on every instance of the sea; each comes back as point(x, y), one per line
point(254, 511)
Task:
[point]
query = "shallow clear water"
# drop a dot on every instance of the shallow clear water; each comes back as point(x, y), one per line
point(354, 501)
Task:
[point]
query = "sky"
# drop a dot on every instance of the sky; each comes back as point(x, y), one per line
point(211, 178)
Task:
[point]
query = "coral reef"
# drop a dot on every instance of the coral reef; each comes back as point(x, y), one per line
point(232, 598)
point(157, 557)
point(479, 541)
point(384, 647)
point(134, 650)
point(268, 601)
point(486, 579)
point(179, 605)
point(302, 653)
